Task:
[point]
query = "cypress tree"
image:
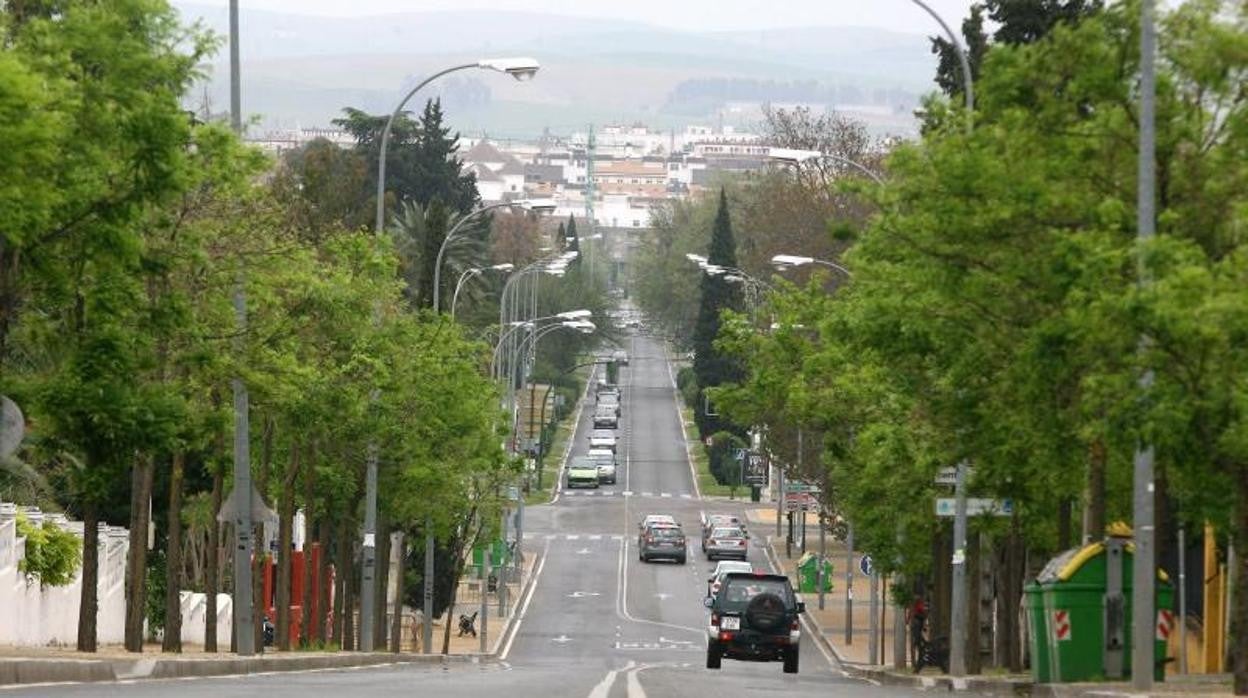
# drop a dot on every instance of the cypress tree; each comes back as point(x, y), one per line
point(570, 232)
point(718, 294)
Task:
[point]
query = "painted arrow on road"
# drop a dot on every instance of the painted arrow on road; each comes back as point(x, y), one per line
point(562, 639)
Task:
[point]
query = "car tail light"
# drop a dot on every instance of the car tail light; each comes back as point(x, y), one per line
point(795, 625)
point(725, 635)
point(715, 620)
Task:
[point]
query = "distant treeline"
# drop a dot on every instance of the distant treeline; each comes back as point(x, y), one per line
point(703, 95)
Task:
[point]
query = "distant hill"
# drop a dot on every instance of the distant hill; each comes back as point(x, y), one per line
point(303, 68)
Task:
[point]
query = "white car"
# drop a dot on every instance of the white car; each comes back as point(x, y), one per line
point(602, 439)
point(605, 461)
point(723, 567)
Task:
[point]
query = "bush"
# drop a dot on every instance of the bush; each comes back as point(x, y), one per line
point(687, 384)
point(53, 555)
point(724, 465)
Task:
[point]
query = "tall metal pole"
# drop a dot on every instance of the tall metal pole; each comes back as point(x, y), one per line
point(874, 621)
point(1143, 574)
point(1182, 592)
point(244, 635)
point(958, 608)
point(485, 597)
point(849, 585)
point(823, 556)
point(426, 641)
point(368, 584)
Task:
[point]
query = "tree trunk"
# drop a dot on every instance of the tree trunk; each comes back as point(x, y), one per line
point(305, 601)
point(213, 570)
point(396, 624)
point(261, 555)
point(89, 602)
point(974, 665)
point(173, 562)
point(285, 542)
point(1064, 524)
point(340, 582)
point(942, 584)
point(1015, 561)
point(382, 574)
point(349, 596)
point(449, 614)
point(136, 561)
point(1239, 609)
point(1098, 457)
point(323, 614)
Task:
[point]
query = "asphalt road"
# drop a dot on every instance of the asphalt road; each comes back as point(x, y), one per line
point(599, 623)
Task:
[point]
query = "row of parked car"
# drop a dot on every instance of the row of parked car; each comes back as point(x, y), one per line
point(599, 465)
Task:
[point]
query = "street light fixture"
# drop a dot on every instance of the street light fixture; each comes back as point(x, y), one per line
point(521, 69)
point(797, 158)
point(789, 261)
point(538, 206)
point(475, 271)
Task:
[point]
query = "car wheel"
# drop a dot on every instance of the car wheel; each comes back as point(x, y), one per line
point(790, 660)
point(714, 655)
point(682, 560)
point(766, 612)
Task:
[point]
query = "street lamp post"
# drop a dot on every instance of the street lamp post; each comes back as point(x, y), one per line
point(789, 261)
point(527, 205)
point(475, 271)
point(520, 69)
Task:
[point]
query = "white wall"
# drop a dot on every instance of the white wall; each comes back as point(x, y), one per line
point(37, 615)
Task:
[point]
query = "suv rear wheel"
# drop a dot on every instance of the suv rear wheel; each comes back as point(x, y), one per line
point(790, 660)
point(715, 655)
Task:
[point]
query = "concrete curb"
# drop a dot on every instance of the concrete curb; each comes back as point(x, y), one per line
point(27, 671)
point(973, 684)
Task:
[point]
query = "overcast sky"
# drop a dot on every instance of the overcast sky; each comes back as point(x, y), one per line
point(901, 15)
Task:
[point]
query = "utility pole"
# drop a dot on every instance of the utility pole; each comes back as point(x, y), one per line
point(1143, 600)
point(957, 609)
point(244, 635)
point(426, 641)
point(590, 192)
point(368, 553)
point(849, 584)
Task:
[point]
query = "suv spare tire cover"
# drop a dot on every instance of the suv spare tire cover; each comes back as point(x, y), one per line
point(766, 612)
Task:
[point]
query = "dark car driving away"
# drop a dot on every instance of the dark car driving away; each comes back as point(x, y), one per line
point(661, 541)
point(754, 617)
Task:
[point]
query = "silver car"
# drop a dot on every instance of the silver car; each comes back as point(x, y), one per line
point(727, 542)
point(662, 541)
point(603, 438)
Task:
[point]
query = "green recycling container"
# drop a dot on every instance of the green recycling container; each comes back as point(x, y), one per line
point(1037, 632)
point(498, 557)
point(808, 574)
point(1066, 612)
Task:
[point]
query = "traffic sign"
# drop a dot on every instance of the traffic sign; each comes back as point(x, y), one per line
point(756, 467)
point(948, 506)
point(949, 476)
point(865, 565)
point(800, 501)
point(794, 486)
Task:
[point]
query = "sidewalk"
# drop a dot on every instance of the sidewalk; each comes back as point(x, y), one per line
point(30, 665)
point(854, 656)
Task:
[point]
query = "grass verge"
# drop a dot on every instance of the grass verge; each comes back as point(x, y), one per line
point(707, 483)
point(551, 463)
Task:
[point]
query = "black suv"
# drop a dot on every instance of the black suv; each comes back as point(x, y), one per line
point(754, 617)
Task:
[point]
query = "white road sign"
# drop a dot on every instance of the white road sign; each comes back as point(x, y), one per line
point(948, 506)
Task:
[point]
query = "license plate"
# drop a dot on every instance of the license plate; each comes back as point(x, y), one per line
point(730, 623)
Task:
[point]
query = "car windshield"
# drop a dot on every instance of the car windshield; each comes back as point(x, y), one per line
point(738, 592)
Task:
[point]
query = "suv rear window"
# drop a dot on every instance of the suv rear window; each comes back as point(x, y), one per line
point(737, 592)
point(666, 532)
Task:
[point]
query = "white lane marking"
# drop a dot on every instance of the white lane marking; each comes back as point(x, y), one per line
point(665, 494)
point(551, 536)
point(621, 598)
point(833, 662)
point(603, 689)
point(693, 473)
point(647, 494)
point(524, 605)
point(596, 536)
point(572, 536)
point(686, 495)
point(617, 538)
point(634, 685)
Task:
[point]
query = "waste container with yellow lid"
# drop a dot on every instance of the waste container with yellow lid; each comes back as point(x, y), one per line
point(1079, 610)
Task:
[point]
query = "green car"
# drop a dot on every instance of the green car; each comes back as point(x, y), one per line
point(582, 474)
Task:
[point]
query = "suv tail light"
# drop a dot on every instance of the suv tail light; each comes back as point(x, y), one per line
point(715, 620)
point(795, 625)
